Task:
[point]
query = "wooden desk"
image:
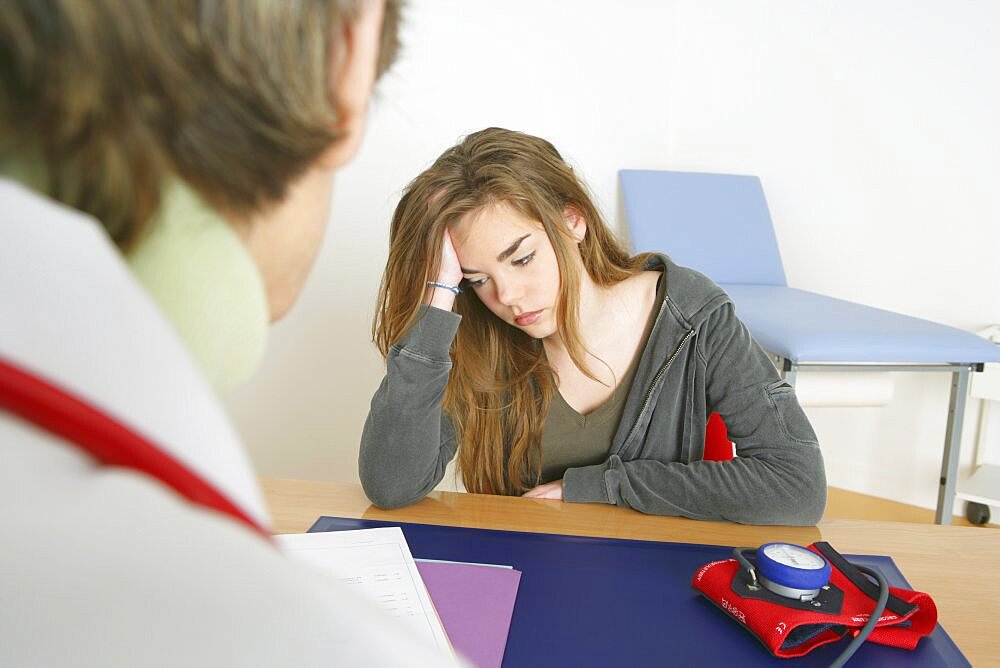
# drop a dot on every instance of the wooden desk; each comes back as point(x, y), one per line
point(958, 566)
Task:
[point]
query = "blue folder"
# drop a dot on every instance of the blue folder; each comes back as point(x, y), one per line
point(605, 602)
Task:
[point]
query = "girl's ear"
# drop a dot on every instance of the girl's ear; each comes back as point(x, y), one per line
point(576, 223)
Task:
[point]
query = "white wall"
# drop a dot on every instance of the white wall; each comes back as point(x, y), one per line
point(872, 125)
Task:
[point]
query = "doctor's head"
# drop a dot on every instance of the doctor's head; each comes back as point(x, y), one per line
point(253, 103)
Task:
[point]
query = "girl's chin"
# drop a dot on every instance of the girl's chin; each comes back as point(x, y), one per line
point(538, 330)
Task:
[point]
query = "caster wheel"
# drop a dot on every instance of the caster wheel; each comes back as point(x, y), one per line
point(977, 513)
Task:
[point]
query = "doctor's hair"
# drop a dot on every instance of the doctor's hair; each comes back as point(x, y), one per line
point(500, 384)
point(102, 100)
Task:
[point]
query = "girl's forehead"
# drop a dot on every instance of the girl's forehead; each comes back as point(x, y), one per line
point(495, 221)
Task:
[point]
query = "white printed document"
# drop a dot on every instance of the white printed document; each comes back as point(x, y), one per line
point(377, 564)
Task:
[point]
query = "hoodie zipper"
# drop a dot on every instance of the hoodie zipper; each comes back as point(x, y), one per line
point(656, 378)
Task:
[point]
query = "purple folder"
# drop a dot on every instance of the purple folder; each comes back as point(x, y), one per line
point(475, 604)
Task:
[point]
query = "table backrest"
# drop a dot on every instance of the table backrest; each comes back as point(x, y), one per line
point(718, 224)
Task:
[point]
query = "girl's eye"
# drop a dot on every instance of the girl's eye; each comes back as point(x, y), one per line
point(477, 283)
point(525, 260)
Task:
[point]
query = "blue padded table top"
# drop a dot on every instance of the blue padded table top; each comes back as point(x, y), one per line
point(605, 602)
point(807, 327)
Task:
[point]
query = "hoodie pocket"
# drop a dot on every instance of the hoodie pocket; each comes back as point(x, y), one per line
point(791, 417)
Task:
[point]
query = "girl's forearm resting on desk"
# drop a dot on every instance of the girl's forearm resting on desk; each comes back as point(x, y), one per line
point(407, 440)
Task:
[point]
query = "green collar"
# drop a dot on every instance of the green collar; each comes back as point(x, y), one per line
point(201, 275)
point(199, 272)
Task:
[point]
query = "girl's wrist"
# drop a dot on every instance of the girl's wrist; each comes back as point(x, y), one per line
point(440, 297)
point(450, 286)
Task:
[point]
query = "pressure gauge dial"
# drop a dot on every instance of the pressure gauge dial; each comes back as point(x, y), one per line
point(792, 571)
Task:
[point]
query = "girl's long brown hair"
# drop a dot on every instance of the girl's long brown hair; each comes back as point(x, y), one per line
point(501, 384)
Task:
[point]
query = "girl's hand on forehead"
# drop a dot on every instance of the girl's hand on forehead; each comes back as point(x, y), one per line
point(449, 273)
point(450, 270)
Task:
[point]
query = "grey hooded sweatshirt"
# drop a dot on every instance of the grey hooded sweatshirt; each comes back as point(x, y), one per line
point(699, 359)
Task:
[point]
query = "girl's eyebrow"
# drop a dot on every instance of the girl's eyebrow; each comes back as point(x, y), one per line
point(506, 253)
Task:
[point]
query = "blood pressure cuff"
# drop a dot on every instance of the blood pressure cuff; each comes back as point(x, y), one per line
point(789, 627)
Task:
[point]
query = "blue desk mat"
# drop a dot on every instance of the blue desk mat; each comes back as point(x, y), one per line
point(606, 602)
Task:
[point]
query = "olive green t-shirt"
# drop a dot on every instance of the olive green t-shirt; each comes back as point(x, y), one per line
point(570, 439)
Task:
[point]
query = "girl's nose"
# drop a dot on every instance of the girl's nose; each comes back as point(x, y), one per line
point(508, 291)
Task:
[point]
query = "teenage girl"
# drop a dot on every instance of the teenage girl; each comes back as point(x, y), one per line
point(519, 333)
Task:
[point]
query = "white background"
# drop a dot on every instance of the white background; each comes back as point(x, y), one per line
point(872, 124)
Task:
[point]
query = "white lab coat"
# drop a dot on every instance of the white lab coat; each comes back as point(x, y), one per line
point(105, 566)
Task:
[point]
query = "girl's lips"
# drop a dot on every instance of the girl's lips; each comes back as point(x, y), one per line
point(526, 319)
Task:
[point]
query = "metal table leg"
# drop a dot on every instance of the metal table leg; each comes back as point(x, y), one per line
point(952, 446)
point(788, 371)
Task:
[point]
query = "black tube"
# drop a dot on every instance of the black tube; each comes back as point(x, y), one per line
point(883, 597)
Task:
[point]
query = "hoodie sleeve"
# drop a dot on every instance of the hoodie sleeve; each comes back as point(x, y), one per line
point(777, 476)
point(408, 440)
